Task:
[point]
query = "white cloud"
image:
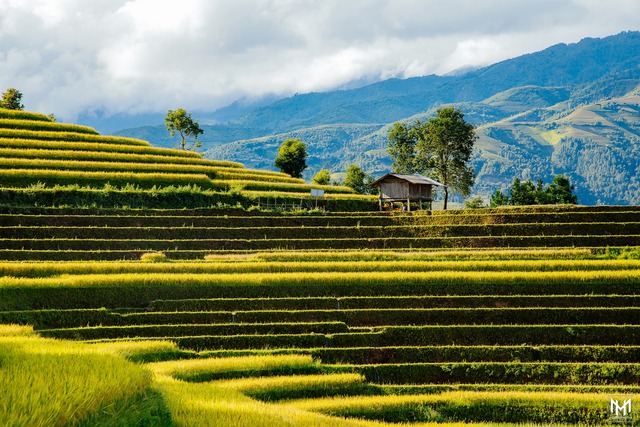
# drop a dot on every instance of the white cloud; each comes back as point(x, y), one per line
point(73, 56)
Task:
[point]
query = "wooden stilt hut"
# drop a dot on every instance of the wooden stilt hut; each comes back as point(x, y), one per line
point(406, 189)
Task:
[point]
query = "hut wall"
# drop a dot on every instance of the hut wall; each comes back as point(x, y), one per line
point(420, 191)
point(394, 190)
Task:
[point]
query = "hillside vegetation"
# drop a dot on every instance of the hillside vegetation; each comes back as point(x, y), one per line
point(55, 164)
point(493, 317)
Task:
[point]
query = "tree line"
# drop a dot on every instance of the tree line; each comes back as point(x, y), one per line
point(560, 191)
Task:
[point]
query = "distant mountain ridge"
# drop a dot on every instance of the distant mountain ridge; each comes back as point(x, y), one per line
point(537, 115)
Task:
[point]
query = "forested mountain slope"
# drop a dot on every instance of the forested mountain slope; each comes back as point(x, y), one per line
point(569, 109)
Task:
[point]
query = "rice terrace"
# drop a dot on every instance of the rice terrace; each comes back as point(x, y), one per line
point(142, 286)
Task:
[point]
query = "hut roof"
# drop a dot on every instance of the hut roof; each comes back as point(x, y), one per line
point(413, 179)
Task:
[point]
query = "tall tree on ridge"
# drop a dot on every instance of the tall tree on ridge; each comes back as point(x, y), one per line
point(292, 157)
point(402, 142)
point(180, 121)
point(12, 99)
point(444, 147)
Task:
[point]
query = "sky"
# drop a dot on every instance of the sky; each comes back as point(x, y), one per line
point(75, 57)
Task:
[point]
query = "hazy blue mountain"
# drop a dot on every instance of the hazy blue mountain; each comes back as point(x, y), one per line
point(569, 109)
point(391, 100)
point(111, 124)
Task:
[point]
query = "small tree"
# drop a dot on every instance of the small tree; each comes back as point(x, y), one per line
point(402, 142)
point(445, 144)
point(322, 178)
point(355, 179)
point(12, 99)
point(561, 191)
point(522, 193)
point(292, 157)
point(474, 203)
point(498, 198)
point(180, 121)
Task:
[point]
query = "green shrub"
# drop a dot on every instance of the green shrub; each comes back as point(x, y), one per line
point(372, 302)
point(252, 341)
point(256, 175)
point(248, 184)
point(154, 257)
point(477, 353)
point(627, 253)
point(402, 336)
point(171, 197)
point(268, 243)
point(244, 304)
point(503, 373)
point(477, 316)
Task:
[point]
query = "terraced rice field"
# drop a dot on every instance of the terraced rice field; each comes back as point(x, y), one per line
point(52, 164)
point(505, 317)
point(67, 234)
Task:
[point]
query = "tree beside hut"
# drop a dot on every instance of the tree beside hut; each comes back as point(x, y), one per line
point(441, 147)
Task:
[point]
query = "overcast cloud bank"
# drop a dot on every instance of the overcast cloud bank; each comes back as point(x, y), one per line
point(70, 57)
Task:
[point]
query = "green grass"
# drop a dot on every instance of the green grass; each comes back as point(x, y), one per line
point(256, 175)
point(506, 279)
point(22, 115)
point(292, 232)
point(149, 330)
point(211, 171)
point(41, 125)
point(43, 269)
point(131, 290)
point(105, 166)
point(103, 153)
point(52, 383)
point(458, 353)
point(71, 139)
point(299, 386)
point(304, 319)
point(29, 177)
point(82, 142)
point(201, 370)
